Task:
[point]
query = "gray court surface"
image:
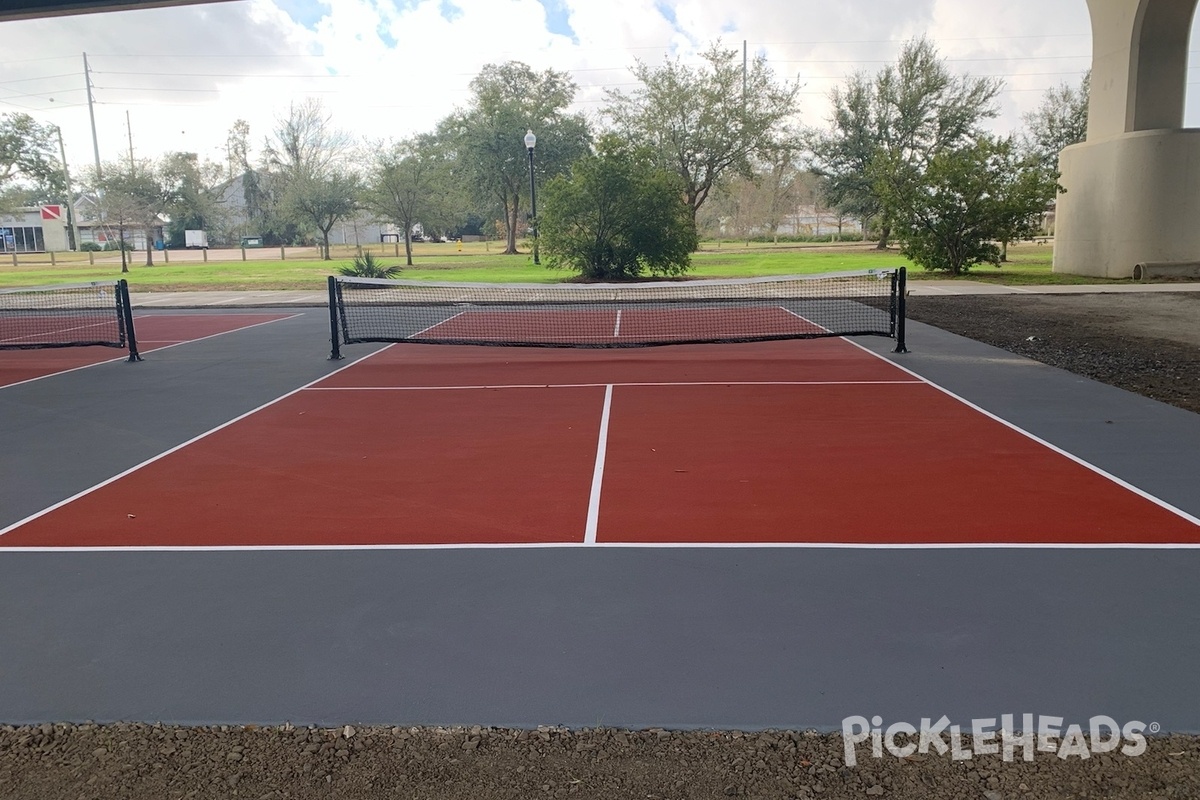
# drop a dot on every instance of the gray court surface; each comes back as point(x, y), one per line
point(635, 637)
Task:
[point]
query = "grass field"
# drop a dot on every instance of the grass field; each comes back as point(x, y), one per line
point(301, 268)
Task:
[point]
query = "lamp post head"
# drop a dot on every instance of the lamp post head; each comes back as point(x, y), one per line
point(530, 139)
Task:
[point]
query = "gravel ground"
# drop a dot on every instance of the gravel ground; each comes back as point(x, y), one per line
point(1145, 343)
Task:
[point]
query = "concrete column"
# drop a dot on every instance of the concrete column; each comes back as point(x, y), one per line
point(1132, 187)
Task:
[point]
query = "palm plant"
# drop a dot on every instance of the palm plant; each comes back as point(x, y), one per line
point(366, 266)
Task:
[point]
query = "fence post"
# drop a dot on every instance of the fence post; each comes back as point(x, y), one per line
point(92, 258)
point(243, 254)
point(282, 254)
point(14, 255)
point(166, 256)
point(204, 255)
point(52, 261)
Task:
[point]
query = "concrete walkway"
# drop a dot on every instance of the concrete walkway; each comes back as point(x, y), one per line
point(916, 287)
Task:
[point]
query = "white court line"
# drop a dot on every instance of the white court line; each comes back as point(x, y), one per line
point(593, 515)
point(617, 327)
point(806, 319)
point(434, 325)
point(594, 385)
point(178, 447)
point(153, 350)
point(1055, 448)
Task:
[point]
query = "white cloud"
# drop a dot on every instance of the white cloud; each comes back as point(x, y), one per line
point(390, 68)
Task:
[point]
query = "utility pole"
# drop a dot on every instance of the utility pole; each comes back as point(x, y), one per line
point(129, 127)
point(62, 151)
point(87, 79)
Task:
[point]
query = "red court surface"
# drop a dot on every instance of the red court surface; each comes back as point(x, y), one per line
point(154, 332)
point(785, 443)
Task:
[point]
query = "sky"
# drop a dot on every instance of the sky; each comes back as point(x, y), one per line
point(178, 78)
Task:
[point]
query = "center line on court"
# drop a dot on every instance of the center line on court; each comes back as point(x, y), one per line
point(593, 515)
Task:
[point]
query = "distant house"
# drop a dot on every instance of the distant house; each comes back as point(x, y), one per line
point(93, 227)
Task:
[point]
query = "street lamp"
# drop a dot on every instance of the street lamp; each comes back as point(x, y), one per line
point(530, 142)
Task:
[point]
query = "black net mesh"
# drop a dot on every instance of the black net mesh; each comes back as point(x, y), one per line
point(616, 315)
point(77, 315)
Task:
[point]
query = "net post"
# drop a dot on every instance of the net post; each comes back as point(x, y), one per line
point(125, 308)
point(335, 353)
point(901, 292)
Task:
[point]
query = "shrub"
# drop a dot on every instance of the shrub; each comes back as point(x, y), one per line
point(90, 247)
point(617, 217)
point(366, 266)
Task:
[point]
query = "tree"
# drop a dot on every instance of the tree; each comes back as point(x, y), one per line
point(617, 216)
point(322, 200)
point(28, 151)
point(899, 119)
point(237, 148)
point(486, 140)
point(129, 198)
point(306, 161)
point(1060, 121)
point(1023, 185)
point(949, 215)
point(193, 192)
point(705, 122)
point(407, 185)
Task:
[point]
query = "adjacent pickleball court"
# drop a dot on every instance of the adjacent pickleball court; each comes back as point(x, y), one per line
point(48, 330)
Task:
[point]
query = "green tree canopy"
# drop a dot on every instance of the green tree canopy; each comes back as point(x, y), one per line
point(193, 192)
point(950, 215)
point(708, 122)
point(617, 216)
point(486, 139)
point(1060, 121)
point(898, 120)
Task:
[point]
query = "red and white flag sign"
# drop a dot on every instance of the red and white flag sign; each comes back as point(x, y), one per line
point(52, 212)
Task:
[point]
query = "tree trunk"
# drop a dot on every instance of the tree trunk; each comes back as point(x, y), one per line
point(510, 223)
point(149, 247)
point(883, 239)
point(1003, 252)
point(325, 241)
point(408, 245)
point(121, 243)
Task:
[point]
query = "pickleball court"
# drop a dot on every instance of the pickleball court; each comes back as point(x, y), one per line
point(776, 470)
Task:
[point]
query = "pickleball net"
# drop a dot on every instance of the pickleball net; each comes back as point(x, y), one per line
point(862, 303)
point(96, 314)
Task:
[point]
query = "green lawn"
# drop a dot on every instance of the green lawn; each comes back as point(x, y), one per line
point(483, 262)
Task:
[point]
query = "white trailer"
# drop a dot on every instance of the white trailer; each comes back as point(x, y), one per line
point(195, 239)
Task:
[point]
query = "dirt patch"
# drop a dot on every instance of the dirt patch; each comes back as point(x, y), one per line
point(1148, 343)
point(144, 762)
